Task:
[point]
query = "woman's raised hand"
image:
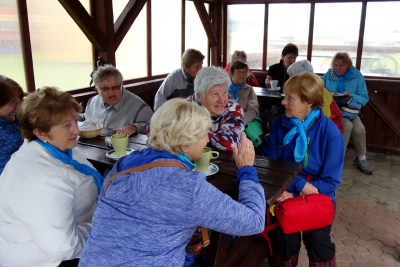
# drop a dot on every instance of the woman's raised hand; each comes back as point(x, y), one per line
point(244, 156)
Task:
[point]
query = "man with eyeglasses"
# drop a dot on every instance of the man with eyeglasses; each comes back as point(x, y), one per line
point(119, 110)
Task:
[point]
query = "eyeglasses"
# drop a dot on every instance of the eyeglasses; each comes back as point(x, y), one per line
point(105, 89)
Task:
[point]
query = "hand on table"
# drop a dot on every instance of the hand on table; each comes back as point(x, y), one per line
point(245, 155)
point(128, 130)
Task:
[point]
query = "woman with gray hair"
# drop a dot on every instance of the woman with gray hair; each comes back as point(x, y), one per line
point(330, 108)
point(211, 91)
point(146, 218)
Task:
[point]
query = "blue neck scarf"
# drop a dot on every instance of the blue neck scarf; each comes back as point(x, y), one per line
point(300, 127)
point(346, 76)
point(185, 159)
point(233, 90)
point(67, 159)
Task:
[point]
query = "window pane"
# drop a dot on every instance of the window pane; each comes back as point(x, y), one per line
point(11, 61)
point(287, 23)
point(131, 55)
point(336, 28)
point(246, 32)
point(166, 36)
point(62, 55)
point(381, 53)
point(195, 35)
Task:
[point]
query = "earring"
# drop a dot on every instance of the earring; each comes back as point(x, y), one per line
point(185, 152)
point(45, 140)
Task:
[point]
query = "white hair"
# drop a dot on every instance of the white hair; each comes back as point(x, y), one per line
point(208, 77)
point(299, 67)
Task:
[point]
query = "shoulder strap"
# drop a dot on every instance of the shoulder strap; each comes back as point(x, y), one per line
point(164, 163)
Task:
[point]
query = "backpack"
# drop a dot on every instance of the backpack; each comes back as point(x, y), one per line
point(99, 63)
point(269, 116)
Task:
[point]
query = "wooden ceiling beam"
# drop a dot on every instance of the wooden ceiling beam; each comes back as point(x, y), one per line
point(126, 19)
point(205, 20)
point(85, 22)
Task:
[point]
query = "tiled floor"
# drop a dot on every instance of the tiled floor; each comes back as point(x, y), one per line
point(366, 229)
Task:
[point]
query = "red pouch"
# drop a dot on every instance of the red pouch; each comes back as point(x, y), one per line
point(310, 212)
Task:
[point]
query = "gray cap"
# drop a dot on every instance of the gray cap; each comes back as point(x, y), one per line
point(299, 67)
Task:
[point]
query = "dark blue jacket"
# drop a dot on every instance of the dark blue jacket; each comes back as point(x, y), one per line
point(324, 158)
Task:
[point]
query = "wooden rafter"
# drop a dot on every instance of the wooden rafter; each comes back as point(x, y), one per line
point(126, 19)
point(85, 22)
point(205, 20)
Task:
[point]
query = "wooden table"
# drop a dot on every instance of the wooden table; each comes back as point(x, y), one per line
point(267, 98)
point(274, 175)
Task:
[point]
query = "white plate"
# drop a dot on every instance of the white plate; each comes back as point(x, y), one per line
point(212, 169)
point(338, 94)
point(272, 90)
point(111, 154)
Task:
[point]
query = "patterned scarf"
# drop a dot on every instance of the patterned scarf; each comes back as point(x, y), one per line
point(233, 90)
point(67, 159)
point(300, 127)
point(345, 77)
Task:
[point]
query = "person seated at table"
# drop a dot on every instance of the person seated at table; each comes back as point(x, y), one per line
point(278, 71)
point(10, 135)
point(330, 108)
point(48, 191)
point(211, 91)
point(306, 136)
point(240, 55)
point(344, 78)
point(119, 110)
point(179, 83)
point(242, 92)
point(146, 218)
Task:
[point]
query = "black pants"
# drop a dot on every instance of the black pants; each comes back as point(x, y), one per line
point(69, 263)
point(318, 244)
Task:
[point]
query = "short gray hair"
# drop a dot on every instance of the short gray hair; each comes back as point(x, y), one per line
point(103, 72)
point(177, 123)
point(299, 67)
point(208, 77)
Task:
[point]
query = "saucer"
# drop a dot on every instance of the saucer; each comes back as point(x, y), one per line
point(111, 154)
point(274, 90)
point(212, 169)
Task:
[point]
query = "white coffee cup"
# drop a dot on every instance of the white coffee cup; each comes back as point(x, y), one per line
point(274, 84)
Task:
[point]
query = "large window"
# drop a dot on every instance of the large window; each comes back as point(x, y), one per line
point(381, 53)
point(336, 27)
point(195, 35)
point(11, 62)
point(246, 32)
point(166, 35)
point(62, 55)
point(131, 55)
point(292, 29)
